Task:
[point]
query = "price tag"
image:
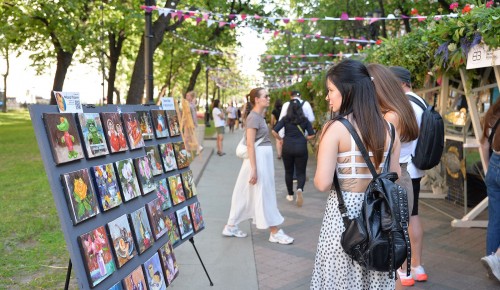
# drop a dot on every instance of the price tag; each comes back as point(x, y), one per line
point(68, 102)
point(167, 103)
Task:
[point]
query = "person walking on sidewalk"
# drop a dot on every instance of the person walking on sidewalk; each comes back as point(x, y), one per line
point(254, 194)
point(294, 152)
point(351, 93)
point(219, 124)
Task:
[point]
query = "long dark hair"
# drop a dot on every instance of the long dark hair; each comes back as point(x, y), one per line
point(295, 114)
point(491, 116)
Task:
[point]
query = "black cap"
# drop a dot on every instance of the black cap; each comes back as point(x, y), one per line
point(295, 93)
point(403, 74)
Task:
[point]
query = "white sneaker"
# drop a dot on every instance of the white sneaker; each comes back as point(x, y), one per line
point(281, 238)
point(289, 197)
point(300, 199)
point(233, 231)
point(492, 265)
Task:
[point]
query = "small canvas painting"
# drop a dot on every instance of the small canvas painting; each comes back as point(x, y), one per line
point(135, 280)
point(113, 129)
point(160, 123)
point(80, 196)
point(117, 286)
point(173, 123)
point(154, 273)
point(97, 255)
point(128, 179)
point(132, 127)
point(169, 262)
point(176, 190)
point(142, 230)
point(122, 240)
point(168, 157)
point(164, 194)
point(108, 190)
point(157, 218)
point(154, 158)
point(184, 221)
point(196, 216)
point(188, 182)
point(182, 155)
point(172, 228)
point(63, 137)
point(93, 134)
point(145, 174)
point(145, 125)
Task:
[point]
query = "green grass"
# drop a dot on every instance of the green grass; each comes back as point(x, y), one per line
point(209, 131)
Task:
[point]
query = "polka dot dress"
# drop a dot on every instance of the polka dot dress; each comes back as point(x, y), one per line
point(333, 269)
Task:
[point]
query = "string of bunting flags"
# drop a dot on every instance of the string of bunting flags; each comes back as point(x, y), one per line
point(278, 56)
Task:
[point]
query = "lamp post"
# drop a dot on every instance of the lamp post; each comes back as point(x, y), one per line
point(207, 114)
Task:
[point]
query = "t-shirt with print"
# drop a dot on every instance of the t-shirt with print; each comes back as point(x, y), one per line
point(256, 121)
point(218, 121)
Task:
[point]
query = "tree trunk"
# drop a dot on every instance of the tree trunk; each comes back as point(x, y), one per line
point(5, 75)
point(63, 62)
point(115, 50)
point(194, 74)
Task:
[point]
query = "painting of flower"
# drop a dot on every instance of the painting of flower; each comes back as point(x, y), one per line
point(80, 195)
point(176, 190)
point(196, 216)
point(154, 158)
point(168, 157)
point(164, 195)
point(128, 179)
point(107, 187)
point(145, 174)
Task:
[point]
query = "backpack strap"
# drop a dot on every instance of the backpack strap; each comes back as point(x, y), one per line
point(418, 102)
point(492, 134)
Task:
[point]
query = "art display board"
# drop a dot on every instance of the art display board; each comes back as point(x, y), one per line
point(85, 227)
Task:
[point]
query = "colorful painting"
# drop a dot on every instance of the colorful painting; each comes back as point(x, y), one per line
point(163, 194)
point(132, 127)
point(107, 188)
point(168, 157)
point(184, 221)
point(176, 190)
point(169, 262)
point(113, 129)
point(80, 195)
point(182, 155)
point(188, 182)
point(93, 134)
point(144, 171)
point(154, 158)
point(145, 125)
point(97, 255)
point(142, 230)
point(128, 179)
point(63, 137)
point(160, 123)
point(117, 286)
point(157, 218)
point(135, 280)
point(173, 123)
point(172, 229)
point(123, 242)
point(154, 273)
point(196, 216)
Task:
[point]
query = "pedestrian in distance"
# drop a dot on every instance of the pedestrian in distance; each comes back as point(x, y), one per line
point(219, 124)
point(231, 116)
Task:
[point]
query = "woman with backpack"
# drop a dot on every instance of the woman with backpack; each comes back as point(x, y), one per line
point(351, 94)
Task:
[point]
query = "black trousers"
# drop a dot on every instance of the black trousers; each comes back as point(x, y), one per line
point(295, 156)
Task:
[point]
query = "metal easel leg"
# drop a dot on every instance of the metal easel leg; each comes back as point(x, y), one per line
point(68, 275)
point(192, 242)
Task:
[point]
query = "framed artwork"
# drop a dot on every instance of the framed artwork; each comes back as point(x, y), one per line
point(160, 123)
point(184, 221)
point(145, 174)
point(157, 218)
point(163, 194)
point(106, 184)
point(145, 125)
point(173, 123)
point(97, 255)
point(172, 229)
point(196, 216)
point(176, 190)
point(128, 179)
point(154, 273)
point(113, 129)
point(182, 155)
point(117, 286)
point(135, 280)
point(142, 230)
point(154, 158)
point(167, 258)
point(188, 182)
point(93, 134)
point(63, 137)
point(80, 195)
point(122, 240)
point(168, 157)
point(132, 127)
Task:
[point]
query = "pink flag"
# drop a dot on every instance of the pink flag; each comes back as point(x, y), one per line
point(344, 16)
point(300, 20)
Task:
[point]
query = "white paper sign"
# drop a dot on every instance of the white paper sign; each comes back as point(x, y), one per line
point(167, 103)
point(480, 55)
point(68, 102)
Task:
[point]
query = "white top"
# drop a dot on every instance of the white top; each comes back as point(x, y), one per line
point(306, 108)
point(231, 112)
point(411, 146)
point(218, 121)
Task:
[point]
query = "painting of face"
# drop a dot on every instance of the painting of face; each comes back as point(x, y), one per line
point(333, 97)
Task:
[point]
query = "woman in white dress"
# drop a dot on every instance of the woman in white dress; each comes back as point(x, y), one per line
point(254, 195)
point(351, 94)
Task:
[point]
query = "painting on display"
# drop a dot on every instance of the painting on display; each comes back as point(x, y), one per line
point(132, 127)
point(157, 217)
point(113, 129)
point(196, 216)
point(181, 155)
point(80, 196)
point(154, 273)
point(97, 255)
point(93, 134)
point(128, 179)
point(176, 190)
point(135, 280)
point(163, 194)
point(172, 229)
point(168, 157)
point(107, 187)
point(145, 174)
point(142, 230)
point(169, 262)
point(117, 286)
point(173, 123)
point(154, 158)
point(185, 226)
point(188, 182)
point(63, 137)
point(122, 240)
point(160, 123)
point(145, 125)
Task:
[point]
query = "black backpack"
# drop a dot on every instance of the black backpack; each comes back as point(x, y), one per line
point(378, 238)
point(430, 144)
